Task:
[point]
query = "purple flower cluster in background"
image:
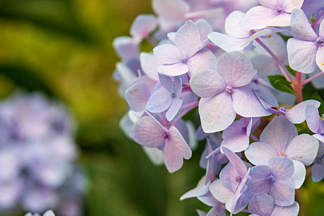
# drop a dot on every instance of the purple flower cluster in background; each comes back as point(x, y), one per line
point(229, 60)
point(37, 157)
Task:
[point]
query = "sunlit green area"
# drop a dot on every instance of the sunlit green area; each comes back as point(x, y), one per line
point(64, 49)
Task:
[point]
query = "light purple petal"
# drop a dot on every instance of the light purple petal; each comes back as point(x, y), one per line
point(301, 55)
point(219, 191)
point(312, 118)
point(321, 29)
point(259, 153)
point(265, 93)
point(207, 83)
point(283, 192)
point(261, 204)
point(286, 210)
point(216, 113)
point(237, 143)
point(320, 57)
point(289, 5)
point(173, 69)
point(235, 160)
point(228, 177)
point(201, 213)
point(303, 148)
point(257, 17)
point(159, 101)
point(235, 68)
point(187, 39)
point(228, 43)
point(174, 108)
point(257, 186)
point(318, 83)
point(204, 28)
point(245, 103)
point(317, 172)
point(147, 132)
point(167, 54)
point(126, 47)
point(142, 26)
point(137, 96)
point(175, 149)
point(204, 59)
point(167, 83)
point(300, 27)
point(173, 9)
point(299, 174)
point(278, 133)
point(297, 114)
point(260, 172)
point(281, 20)
point(269, 4)
point(198, 191)
point(149, 65)
point(281, 167)
point(233, 27)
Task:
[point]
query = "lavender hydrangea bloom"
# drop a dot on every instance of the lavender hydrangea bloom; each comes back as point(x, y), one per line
point(315, 122)
point(280, 138)
point(271, 13)
point(148, 132)
point(226, 92)
point(306, 49)
point(142, 26)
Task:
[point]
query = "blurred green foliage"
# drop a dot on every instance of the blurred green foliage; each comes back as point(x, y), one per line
point(64, 49)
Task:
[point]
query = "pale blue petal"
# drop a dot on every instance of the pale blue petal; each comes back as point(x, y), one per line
point(317, 172)
point(149, 65)
point(159, 101)
point(167, 83)
point(283, 192)
point(292, 210)
point(300, 27)
point(312, 118)
point(261, 204)
point(299, 174)
point(297, 114)
point(259, 153)
point(204, 59)
point(174, 108)
point(281, 167)
point(260, 172)
point(228, 177)
point(233, 27)
point(235, 160)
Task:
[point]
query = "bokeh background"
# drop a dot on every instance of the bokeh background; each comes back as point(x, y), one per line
point(63, 48)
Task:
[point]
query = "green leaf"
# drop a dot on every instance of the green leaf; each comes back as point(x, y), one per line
point(25, 78)
point(291, 71)
point(280, 83)
point(55, 15)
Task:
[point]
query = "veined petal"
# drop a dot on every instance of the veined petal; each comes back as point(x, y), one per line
point(320, 57)
point(167, 83)
point(278, 133)
point(233, 27)
point(312, 118)
point(281, 167)
point(219, 191)
point(235, 68)
point(149, 65)
point(301, 55)
point(297, 114)
point(300, 27)
point(137, 96)
point(147, 132)
point(303, 148)
point(261, 204)
point(204, 59)
point(167, 54)
point(286, 210)
point(174, 108)
point(259, 153)
point(173, 69)
point(216, 113)
point(257, 17)
point(260, 172)
point(228, 43)
point(281, 20)
point(159, 101)
point(299, 174)
point(207, 83)
point(187, 39)
point(283, 192)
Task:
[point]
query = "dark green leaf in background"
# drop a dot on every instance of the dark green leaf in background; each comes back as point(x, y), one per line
point(280, 83)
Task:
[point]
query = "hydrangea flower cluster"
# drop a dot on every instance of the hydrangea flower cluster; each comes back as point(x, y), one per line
point(37, 157)
point(229, 61)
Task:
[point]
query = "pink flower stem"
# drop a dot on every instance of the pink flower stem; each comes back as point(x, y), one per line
point(311, 78)
point(189, 107)
point(298, 87)
point(284, 69)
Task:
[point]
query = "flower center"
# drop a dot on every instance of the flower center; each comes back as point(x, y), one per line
point(279, 9)
point(251, 32)
point(283, 109)
point(243, 129)
point(319, 41)
point(165, 135)
point(238, 178)
point(229, 89)
point(173, 95)
point(271, 178)
point(282, 154)
point(184, 59)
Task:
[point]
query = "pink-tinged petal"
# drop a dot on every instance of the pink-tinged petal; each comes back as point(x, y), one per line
point(289, 5)
point(297, 114)
point(300, 27)
point(207, 83)
point(246, 103)
point(187, 39)
point(233, 27)
point(321, 29)
point(278, 133)
point(142, 26)
point(286, 210)
point(137, 96)
point(237, 143)
point(235, 68)
point(261, 204)
point(167, 54)
point(159, 101)
point(147, 132)
point(235, 160)
point(149, 65)
point(174, 108)
point(229, 43)
point(204, 28)
point(175, 149)
point(216, 113)
point(317, 172)
point(312, 118)
point(320, 57)
point(173, 69)
point(283, 192)
point(259, 153)
point(303, 148)
point(281, 20)
point(257, 17)
point(281, 167)
point(126, 47)
point(301, 55)
point(299, 174)
point(219, 191)
point(204, 59)
point(173, 9)
point(228, 177)
point(269, 4)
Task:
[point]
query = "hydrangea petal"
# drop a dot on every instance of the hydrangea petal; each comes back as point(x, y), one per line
point(278, 133)
point(321, 29)
point(204, 59)
point(219, 191)
point(207, 83)
point(235, 68)
point(259, 153)
point(303, 148)
point(281, 167)
point(283, 192)
point(235, 160)
point(167, 54)
point(281, 20)
point(261, 204)
point(312, 118)
point(257, 17)
point(173, 9)
point(299, 174)
point(296, 115)
point(149, 65)
point(260, 172)
point(286, 210)
point(137, 96)
point(300, 27)
point(320, 57)
point(174, 108)
point(216, 113)
point(173, 69)
point(317, 172)
point(159, 101)
point(142, 26)
point(301, 55)
point(228, 177)
point(233, 27)
point(228, 43)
